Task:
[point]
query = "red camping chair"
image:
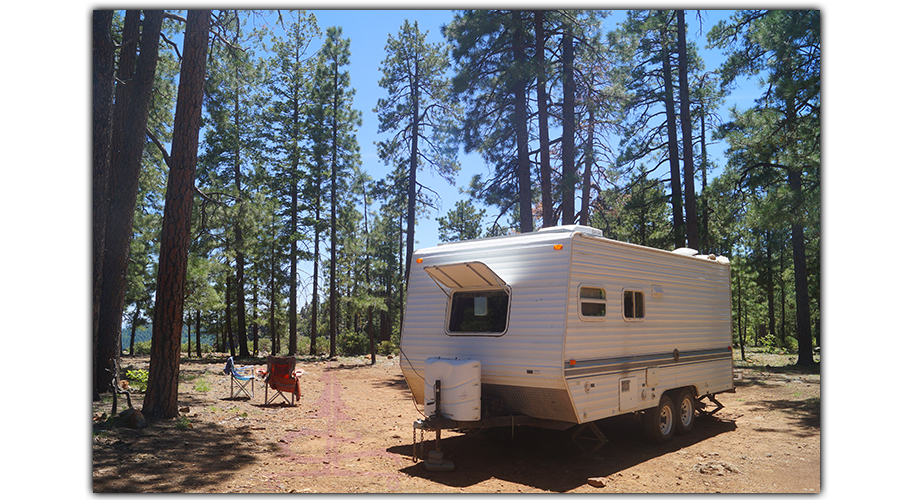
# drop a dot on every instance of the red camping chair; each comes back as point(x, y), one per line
point(282, 375)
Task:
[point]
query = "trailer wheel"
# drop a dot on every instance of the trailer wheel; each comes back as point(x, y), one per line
point(659, 422)
point(685, 412)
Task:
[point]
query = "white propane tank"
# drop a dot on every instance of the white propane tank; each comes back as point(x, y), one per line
point(460, 387)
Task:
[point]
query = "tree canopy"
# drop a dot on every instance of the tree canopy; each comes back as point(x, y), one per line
point(284, 230)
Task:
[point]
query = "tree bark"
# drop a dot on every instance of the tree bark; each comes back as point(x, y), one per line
point(294, 223)
point(161, 400)
point(588, 168)
point(547, 218)
point(690, 203)
point(197, 323)
point(675, 171)
point(314, 313)
point(229, 325)
point(239, 263)
point(130, 129)
point(103, 69)
point(801, 282)
point(770, 285)
point(332, 286)
point(569, 175)
point(412, 191)
point(523, 164)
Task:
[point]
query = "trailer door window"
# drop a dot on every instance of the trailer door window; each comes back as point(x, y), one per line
point(592, 302)
point(634, 304)
point(482, 311)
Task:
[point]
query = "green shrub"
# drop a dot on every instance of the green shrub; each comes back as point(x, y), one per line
point(142, 348)
point(352, 343)
point(386, 347)
point(790, 344)
point(138, 379)
point(322, 344)
point(204, 348)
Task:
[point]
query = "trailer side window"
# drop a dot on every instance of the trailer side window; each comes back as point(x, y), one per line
point(483, 311)
point(634, 304)
point(592, 301)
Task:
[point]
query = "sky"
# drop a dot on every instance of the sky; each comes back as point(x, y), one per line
point(368, 31)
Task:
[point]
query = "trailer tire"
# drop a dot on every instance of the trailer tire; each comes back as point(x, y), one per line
point(659, 422)
point(685, 411)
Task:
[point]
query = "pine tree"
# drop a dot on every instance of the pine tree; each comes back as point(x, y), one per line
point(334, 136)
point(419, 113)
point(165, 352)
point(461, 223)
point(136, 76)
point(777, 141)
point(290, 83)
point(492, 50)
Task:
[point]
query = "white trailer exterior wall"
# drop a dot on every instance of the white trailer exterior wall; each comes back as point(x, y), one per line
point(553, 363)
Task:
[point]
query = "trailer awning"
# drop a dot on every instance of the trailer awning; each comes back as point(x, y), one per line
point(465, 275)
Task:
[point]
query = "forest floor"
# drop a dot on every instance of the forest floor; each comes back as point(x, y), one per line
point(352, 432)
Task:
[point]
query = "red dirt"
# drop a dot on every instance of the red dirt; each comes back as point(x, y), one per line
point(352, 432)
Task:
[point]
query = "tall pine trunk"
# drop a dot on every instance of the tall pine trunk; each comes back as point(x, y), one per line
point(197, 333)
point(569, 175)
point(314, 313)
point(161, 400)
point(229, 331)
point(238, 229)
point(547, 218)
point(332, 286)
point(671, 129)
point(292, 277)
point(588, 167)
point(690, 204)
point(523, 164)
point(103, 70)
point(801, 281)
point(412, 191)
point(133, 93)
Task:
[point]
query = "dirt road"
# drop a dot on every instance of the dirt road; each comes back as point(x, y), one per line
point(352, 432)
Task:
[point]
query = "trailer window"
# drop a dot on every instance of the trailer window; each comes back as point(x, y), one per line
point(592, 302)
point(483, 311)
point(634, 304)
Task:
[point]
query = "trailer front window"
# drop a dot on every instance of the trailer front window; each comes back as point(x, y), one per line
point(483, 311)
point(592, 301)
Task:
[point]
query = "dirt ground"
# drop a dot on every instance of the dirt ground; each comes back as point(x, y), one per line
point(352, 432)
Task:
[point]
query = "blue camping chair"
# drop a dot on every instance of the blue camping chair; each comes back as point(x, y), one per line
point(240, 379)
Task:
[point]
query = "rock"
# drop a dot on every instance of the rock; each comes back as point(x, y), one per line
point(598, 482)
point(716, 468)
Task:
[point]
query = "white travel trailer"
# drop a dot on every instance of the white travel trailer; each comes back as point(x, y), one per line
point(563, 327)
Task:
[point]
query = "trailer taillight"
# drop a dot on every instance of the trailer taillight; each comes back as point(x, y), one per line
point(557, 247)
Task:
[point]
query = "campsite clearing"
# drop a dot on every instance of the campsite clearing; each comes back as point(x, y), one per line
point(352, 432)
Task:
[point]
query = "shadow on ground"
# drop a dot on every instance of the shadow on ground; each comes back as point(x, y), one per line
point(805, 413)
point(168, 456)
point(525, 454)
